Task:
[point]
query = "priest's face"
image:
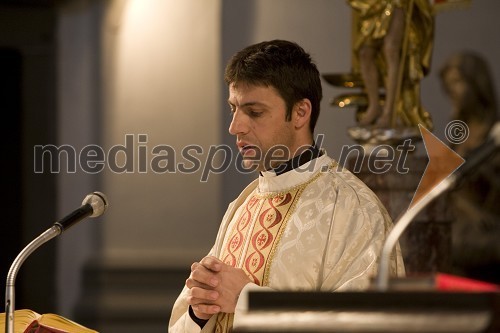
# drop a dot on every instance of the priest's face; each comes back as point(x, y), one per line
point(263, 135)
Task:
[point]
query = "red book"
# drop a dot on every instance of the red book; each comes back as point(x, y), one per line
point(441, 282)
point(459, 283)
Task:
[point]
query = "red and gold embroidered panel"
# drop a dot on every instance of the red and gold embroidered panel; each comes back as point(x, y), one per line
point(253, 240)
point(256, 233)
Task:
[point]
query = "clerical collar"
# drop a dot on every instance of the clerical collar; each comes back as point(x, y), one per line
point(307, 155)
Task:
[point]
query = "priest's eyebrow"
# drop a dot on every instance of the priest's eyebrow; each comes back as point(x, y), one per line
point(251, 103)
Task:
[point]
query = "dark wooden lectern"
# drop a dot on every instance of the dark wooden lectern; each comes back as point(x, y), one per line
point(372, 311)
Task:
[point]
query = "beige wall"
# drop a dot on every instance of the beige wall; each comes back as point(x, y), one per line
point(136, 68)
point(79, 116)
point(161, 65)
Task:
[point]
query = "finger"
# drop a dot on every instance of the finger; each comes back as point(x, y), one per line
point(202, 306)
point(191, 283)
point(212, 263)
point(194, 265)
point(204, 276)
point(204, 295)
point(209, 309)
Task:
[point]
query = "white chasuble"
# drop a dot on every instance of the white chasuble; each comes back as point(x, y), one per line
point(317, 227)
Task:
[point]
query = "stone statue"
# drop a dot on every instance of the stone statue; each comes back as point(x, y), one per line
point(473, 205)
point(466, 80)
point(393, 45)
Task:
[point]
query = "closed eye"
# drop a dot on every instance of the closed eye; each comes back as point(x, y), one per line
point(254, 114)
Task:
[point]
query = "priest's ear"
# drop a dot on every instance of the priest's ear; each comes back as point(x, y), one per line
point(302, 113)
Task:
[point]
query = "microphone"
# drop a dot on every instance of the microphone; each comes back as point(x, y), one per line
point(93, 205)
point(477, 156)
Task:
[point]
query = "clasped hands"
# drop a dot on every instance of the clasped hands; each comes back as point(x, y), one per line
point(214, 287)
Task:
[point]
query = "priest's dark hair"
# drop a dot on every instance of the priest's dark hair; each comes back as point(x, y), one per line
point(283, 65)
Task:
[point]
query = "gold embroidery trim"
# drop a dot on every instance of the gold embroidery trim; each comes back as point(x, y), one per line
point(270, 258)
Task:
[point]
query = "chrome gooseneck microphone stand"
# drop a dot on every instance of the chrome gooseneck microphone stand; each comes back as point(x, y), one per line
point(14, 268)
point(382, 282)
point(478, 156)
point(93, 205)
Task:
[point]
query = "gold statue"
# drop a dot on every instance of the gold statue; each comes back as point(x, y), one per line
point(392, 46)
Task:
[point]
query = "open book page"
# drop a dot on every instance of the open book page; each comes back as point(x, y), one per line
point(62, 323)
point(29, 321)
point(22, 319)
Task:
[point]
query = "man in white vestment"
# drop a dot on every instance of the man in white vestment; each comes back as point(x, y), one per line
point(305, 223)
